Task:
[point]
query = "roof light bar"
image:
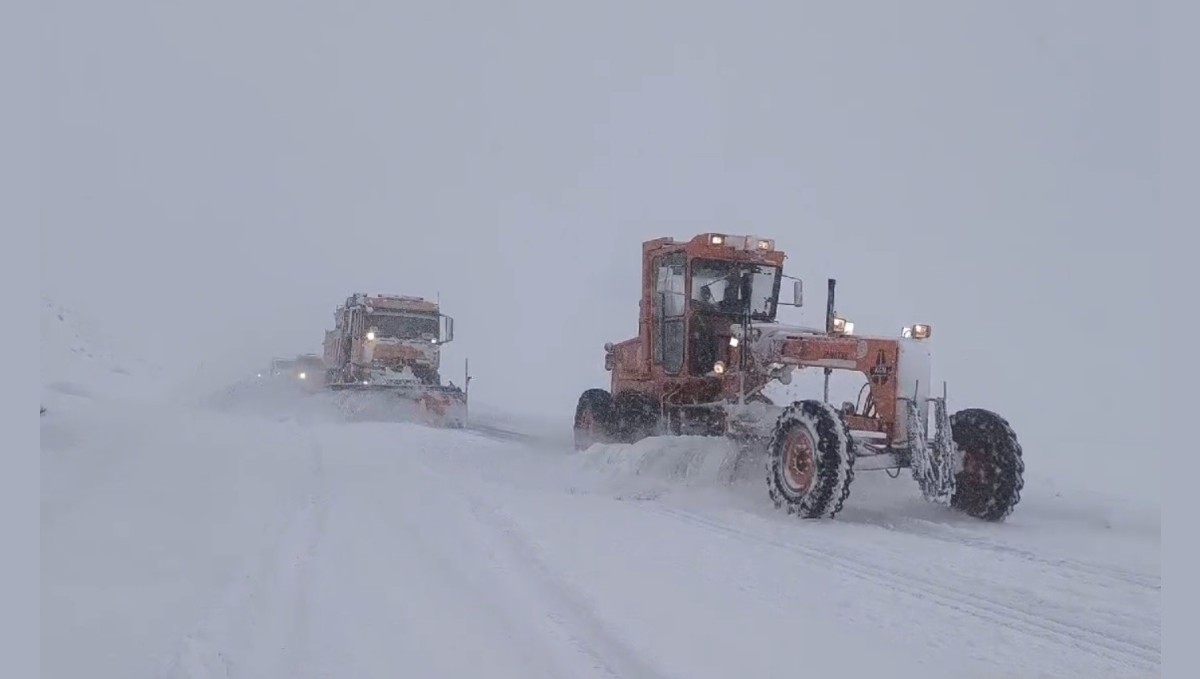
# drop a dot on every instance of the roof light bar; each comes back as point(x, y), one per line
point(748, 243)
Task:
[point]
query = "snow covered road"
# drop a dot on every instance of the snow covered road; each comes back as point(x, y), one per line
point(193, 543)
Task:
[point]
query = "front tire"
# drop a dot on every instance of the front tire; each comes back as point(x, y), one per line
point(989, 484)
point(810, 464)
point(594, 418)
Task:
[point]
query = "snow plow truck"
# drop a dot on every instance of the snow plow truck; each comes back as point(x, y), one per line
point(708, 345)
point(392, 344)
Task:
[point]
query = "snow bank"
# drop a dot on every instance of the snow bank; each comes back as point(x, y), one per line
point(79, 362)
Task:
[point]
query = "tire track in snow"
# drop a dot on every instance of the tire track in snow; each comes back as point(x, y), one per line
point(953, 536)
point(1115, 574)
point(668, 463)
point(314, 523)
point(1124, 652)
point(567, 608)
point(259, 625)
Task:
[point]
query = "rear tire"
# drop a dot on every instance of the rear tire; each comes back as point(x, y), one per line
point(809, 461)
point(989, 484)
point(594, 419)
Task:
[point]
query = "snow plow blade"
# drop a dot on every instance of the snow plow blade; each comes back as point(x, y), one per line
point(443, 407)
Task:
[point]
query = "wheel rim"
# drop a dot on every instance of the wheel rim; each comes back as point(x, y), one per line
point(799, 461)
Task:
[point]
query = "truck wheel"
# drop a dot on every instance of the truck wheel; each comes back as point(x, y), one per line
point(989, 484)
point(594, 418)
point(636, 416)
point(809, 461)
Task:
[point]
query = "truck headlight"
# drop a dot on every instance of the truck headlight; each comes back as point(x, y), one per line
point(918, 331)
point(370, 335)
point(303, 376)
point(719, 367)
point(733, 342)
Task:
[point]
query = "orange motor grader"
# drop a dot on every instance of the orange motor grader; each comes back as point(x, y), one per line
point(709, 343)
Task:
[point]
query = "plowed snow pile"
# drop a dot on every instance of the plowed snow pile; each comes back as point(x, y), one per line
point(78, 364)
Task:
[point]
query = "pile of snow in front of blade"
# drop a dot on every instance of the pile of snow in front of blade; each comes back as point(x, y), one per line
point(653, 465)
point(284, 399)
point(375, 406)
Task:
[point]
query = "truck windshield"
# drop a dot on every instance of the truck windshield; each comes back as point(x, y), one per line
point(717, 286)
point(404, 326)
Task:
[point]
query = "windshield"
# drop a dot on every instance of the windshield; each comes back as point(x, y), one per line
point(728, 287)
point(404, 326)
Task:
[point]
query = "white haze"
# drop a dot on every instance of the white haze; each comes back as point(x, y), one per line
point(218, 176)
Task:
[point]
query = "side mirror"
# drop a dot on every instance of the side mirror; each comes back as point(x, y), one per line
point(798, 293)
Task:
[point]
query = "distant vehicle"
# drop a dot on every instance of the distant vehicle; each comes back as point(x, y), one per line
point(282, 367)
point(306, 371)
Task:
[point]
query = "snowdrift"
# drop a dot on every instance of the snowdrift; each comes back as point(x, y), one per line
point(80, 364)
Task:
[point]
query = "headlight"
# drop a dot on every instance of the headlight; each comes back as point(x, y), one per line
point(303, 376)
point(719, 367)
point(918, 331)
point(733, 342)
point(370, 335)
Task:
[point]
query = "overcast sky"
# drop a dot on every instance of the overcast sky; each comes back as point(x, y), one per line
point(218, 176)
